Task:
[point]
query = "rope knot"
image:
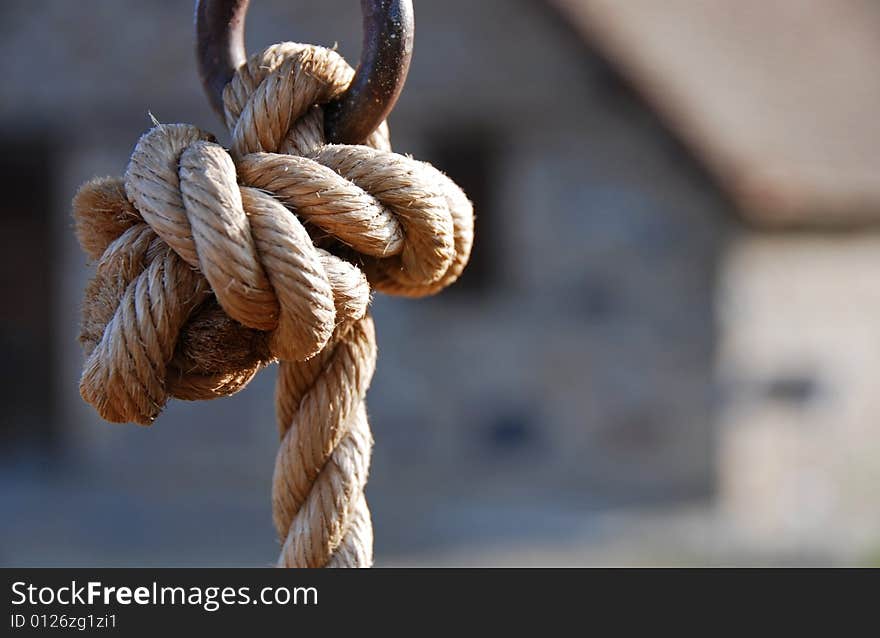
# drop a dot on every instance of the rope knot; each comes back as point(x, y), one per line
point(212, 263)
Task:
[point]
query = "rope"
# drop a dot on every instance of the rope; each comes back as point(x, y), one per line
point(212, 264)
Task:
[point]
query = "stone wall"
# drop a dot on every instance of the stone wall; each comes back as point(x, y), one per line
point(799, 356)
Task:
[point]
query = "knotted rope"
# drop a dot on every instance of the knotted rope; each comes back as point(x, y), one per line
point(212, 264)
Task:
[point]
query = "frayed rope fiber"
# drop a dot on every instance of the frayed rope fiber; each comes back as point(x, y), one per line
point(212, 264)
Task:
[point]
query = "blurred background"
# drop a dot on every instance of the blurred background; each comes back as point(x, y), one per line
point(666, 349)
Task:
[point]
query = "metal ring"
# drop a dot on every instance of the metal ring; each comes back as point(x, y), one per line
point(372, 94)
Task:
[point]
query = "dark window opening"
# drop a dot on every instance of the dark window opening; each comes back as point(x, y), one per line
point(509, 432)
point(26, 388)
point(467, 154)
point(796, 389)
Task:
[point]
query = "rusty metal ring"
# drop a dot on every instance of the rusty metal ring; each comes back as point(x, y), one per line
point(372, 94)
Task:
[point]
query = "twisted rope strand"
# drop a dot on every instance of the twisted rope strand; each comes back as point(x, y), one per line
point(212, 264)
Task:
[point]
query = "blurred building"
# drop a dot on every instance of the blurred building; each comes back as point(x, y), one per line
point(778, 100)
point(628, 371)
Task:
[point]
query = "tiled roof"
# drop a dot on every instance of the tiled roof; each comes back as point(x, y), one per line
point(779, 98)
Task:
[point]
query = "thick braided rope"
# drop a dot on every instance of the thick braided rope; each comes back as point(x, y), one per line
point(211, 264)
